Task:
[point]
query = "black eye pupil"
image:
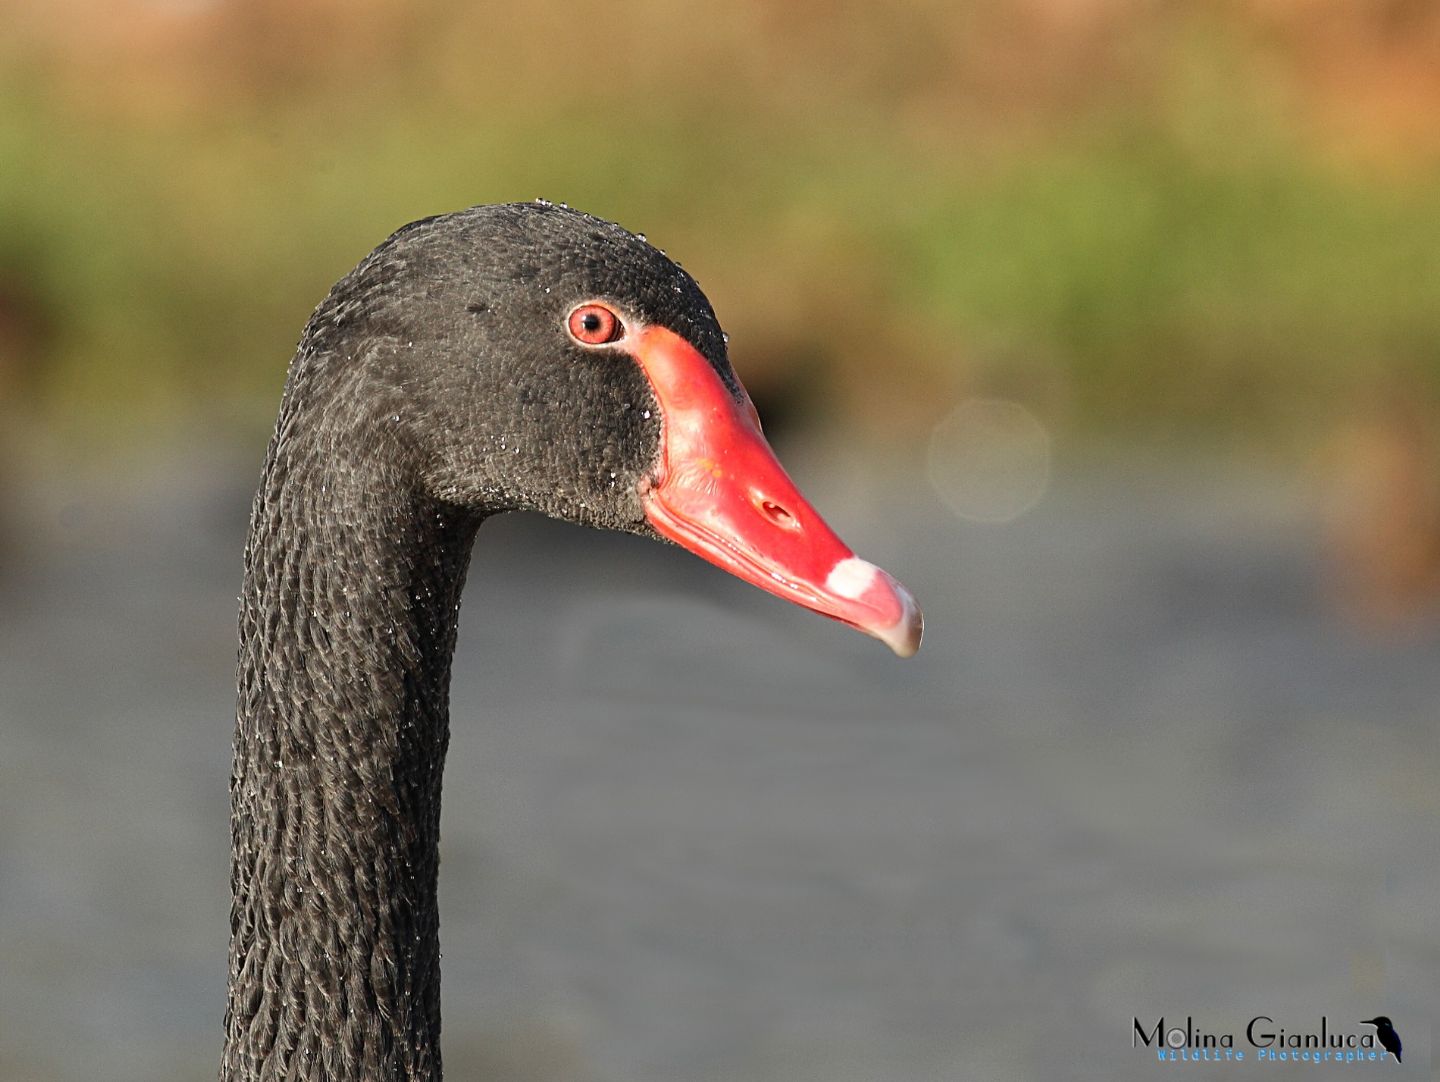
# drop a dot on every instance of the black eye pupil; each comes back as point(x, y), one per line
point(590, 321)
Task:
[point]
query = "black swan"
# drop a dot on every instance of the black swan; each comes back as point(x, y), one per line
point(524, 356)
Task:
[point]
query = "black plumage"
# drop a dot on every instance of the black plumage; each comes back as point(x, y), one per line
point(434, 386)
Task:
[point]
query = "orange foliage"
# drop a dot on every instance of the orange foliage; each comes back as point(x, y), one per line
point(1365, 74)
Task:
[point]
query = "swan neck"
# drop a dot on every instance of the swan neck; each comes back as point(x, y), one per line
point(347, 630)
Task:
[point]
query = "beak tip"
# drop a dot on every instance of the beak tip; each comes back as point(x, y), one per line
point(878, 595)
point(904, 636)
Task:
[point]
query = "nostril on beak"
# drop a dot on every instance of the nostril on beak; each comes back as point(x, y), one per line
point(778, 515)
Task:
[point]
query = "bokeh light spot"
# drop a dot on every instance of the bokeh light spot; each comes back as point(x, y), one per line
point(990, 460)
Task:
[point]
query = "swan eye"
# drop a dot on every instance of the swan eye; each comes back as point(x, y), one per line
point(595, 325)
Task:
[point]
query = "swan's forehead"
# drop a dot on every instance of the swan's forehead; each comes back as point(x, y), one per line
point(509, 276)
point(643, 281)
point(564, 258)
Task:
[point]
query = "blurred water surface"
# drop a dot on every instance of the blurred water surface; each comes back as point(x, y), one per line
point(1139, 768)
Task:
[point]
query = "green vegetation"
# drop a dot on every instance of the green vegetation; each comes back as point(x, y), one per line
point(1171, 289)
point(1187, 265)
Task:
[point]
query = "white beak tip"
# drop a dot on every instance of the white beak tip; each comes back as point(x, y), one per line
point(905, 634)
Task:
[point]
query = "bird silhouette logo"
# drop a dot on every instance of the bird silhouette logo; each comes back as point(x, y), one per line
point(1385, 1033)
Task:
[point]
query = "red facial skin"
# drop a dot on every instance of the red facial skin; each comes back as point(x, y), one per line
point(720, 492)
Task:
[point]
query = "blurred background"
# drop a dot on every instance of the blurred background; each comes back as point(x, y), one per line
point(1110, 326)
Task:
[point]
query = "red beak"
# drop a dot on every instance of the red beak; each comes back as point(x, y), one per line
point(721, 493)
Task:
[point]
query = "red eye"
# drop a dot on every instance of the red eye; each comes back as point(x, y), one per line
point(595, 325)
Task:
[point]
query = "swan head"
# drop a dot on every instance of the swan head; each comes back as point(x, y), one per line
point(529, 356)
